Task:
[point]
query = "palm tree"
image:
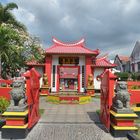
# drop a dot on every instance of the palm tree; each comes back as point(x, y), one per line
point(7, 17)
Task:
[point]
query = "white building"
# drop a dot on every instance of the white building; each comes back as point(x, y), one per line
point(123, 63)
point(135, 58)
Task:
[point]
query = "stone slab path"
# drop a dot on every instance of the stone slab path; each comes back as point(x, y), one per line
point(69, 113)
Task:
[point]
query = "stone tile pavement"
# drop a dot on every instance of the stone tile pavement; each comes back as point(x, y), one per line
point(69, 113)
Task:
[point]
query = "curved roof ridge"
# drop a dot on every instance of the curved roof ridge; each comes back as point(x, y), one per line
point(58, 42)
point(103, 57)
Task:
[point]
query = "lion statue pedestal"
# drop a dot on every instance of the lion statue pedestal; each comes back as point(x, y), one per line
point(90, 85)
point(45, 87)
point(122, 117)
point(18, 102)
point(121, 101)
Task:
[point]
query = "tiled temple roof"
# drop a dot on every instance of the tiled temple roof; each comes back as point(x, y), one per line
point(59, 47)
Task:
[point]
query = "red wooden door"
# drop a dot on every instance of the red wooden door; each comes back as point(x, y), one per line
point(107, 92)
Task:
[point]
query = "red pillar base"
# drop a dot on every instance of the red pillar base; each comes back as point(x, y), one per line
point(16, 121)
point(44, 91)
point(16, 125)
point(122, 123)
point(90, 92)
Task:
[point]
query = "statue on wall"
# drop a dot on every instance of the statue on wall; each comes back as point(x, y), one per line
point(90, 82)
point(121, 101)
point(45, 80)
point(18, 100)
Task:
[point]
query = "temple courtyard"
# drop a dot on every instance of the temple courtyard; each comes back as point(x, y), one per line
point(70, 122)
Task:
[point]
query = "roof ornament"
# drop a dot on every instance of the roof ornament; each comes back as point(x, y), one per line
point(56, 41)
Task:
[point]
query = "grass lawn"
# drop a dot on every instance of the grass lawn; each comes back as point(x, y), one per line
point(41, 111)
point(139, 132)
point(98, 111)
point(96, 96)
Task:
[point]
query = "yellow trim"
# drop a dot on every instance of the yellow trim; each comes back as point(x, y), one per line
point(84, 99)
point(15, 113)
point(6, 87)
point(41, 94)
point(53, 99)
point(136, 109)
point(130, 118)
point(123, 115)
point(15, 118)
point(124, 127)
point(14, 127)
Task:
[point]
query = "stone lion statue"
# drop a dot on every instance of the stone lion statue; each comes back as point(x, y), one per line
point(90, 81)
point(122, 96)
point(18, 97)
point(45, 80)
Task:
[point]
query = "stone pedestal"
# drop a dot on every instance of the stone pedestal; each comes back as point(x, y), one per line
point(122, 123)
point(20, 108)
point(122, 111)
point(44, 90)
point(90, 91)
point(16, 125)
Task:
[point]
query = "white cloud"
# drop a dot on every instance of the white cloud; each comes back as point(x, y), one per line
point(24, 16)
point(105, 24)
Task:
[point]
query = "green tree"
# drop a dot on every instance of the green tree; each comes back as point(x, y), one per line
point(10, 54)
point(16, 48)
point(7, 17)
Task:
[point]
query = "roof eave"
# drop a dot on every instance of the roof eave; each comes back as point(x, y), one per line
point(35, 64)
point(48, 53)
point(104, 66)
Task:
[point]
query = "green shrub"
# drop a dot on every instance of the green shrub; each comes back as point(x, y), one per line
point(135, 87)
point(135, 76)
point(3, 85)
point(122, 76)
point(4, 103)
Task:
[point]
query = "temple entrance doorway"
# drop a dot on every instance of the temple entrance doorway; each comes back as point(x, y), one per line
point(68, 78)
point(69, 84)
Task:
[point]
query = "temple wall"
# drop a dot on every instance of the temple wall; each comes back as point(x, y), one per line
point(97, 71)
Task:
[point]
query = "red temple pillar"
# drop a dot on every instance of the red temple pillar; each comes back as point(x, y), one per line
point(57, 80)
point(89, 71)
point(48, 66)
point(88, 67)
point(79, 79)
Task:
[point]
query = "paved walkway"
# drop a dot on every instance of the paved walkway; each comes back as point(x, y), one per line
point(70, 113)
point(70, 122)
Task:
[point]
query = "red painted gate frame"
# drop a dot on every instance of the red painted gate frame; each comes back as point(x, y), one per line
point(107, 93)
point(32, 93)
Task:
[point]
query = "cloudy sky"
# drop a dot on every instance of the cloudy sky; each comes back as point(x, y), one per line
point(113, 26)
